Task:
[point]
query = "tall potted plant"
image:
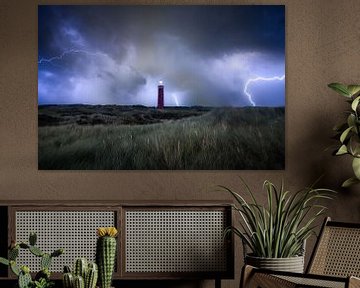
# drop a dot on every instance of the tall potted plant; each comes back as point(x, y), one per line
point(348, 132)
point(276, 233)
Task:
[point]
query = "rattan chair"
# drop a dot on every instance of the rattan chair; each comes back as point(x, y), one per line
point(334, 263)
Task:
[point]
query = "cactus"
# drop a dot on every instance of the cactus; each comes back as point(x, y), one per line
point(80, 267)
point(42, 278)
point(67, 269)
point(14, 268)
point(32, 239)
point(57, 252)
point(68, 280)
point(36, 251)
point(44, 273)
point(90, 272)
point(91, 276)
point(105, 254)
point(24, 245)
point(24, 279)
point(13, 253)
point(45, 261)
point(79, 282)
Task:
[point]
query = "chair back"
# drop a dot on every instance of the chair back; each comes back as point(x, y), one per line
point(337, 251)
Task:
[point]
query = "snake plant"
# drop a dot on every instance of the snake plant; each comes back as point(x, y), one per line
point(279, 228)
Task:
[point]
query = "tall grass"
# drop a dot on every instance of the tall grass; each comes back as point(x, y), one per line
point(228, 138)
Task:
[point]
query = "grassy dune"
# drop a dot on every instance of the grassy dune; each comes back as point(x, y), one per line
point(224, 138)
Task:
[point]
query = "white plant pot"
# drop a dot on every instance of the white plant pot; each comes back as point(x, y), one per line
point(291, 264)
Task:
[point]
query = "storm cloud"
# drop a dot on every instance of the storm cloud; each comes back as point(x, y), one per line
point(117, 54)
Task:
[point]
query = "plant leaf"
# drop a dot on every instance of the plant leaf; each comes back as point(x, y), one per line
point(355, 103)
point(342, 150)
point(351, 119)
point(340, 88)
point(354, 143)
point(4, 261)
point(353, 89)
point(356, 167)
point(349, 182)
point(345, 134)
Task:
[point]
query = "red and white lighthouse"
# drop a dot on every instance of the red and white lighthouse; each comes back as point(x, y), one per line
point(160, 95)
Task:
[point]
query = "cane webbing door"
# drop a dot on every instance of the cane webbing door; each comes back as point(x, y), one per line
point(73, 230)
point(165, 241)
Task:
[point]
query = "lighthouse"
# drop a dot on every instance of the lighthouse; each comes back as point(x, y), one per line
point(160, 104)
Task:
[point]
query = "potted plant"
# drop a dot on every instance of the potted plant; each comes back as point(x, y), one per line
point(42, 278)
point(348, 132)
point(276, 233)
point(84, 274)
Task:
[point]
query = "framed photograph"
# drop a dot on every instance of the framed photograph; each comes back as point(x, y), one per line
point(154, 87)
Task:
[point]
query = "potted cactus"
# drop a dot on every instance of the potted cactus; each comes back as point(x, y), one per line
point(106, 254)
point(85, 275)
point(42, 278)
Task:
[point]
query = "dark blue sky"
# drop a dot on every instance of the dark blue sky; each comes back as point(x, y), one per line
point(204, 54)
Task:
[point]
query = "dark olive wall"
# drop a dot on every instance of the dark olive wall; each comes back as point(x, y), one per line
point(322, 46)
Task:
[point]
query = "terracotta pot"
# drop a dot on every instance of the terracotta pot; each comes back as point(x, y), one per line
point(291, 264)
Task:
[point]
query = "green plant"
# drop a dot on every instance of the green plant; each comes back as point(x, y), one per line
point(43, 283)
point(85, 275)
point(80, 268)
point(105, 254)
point(42, 278)
point(279, 229)
point(349, 131)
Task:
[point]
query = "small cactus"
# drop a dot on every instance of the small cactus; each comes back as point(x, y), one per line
point(80, 268)
point(68, 280)
point(24, 278)
point(79, 282)
point(44, 273)
point(14, 268)
point(106, 254)
point(24, 245)
point(32, 238)
point(89, 272)
point(13, 253)
point(57, 252)
point(45, 261)
point(36, 251)
point(67, 269)
point(91, 276)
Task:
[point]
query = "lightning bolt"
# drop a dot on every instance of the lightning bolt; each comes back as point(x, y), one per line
point(175, 99)
point(62, 55)
point(279, 78)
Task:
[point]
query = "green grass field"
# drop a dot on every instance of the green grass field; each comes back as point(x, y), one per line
point(189, 138)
